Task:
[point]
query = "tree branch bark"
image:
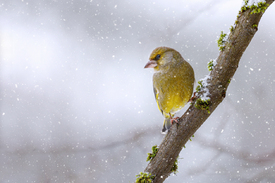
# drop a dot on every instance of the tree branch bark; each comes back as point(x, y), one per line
point(193, 118)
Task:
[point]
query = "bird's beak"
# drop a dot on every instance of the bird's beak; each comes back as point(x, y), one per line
point(151, 64)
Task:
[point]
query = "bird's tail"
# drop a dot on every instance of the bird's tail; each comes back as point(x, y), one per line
point(166, 125)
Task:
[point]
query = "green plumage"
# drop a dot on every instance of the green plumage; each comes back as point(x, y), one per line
point(173, 82)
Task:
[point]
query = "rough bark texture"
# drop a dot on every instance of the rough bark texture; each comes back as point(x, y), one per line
point(193, 118)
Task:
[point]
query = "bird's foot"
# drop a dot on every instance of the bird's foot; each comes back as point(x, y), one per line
point(174, 120)
point(192, 99)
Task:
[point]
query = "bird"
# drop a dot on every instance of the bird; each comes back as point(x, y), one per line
point(173, 82)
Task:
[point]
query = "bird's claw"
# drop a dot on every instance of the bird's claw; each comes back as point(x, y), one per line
point(174, 120)
point(192, 99)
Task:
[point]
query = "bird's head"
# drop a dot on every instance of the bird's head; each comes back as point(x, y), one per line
point(162, 56)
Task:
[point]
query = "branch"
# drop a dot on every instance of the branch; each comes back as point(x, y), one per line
point(217, 84)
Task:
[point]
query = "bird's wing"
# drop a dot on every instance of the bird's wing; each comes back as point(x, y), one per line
point(156, 93)
point(157, 99)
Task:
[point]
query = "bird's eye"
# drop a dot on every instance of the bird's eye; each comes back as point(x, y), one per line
point(157, 57)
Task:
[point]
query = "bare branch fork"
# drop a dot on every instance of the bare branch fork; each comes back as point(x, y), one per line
point(227, 64)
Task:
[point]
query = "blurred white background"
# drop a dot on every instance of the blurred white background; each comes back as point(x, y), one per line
point(77, 105)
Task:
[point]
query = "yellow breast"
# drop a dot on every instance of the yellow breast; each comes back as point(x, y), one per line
point(173, 87)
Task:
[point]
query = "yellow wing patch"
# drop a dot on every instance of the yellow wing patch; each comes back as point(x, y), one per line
point(157, 97)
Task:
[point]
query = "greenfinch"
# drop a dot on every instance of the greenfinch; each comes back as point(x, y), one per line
point(173, 82)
